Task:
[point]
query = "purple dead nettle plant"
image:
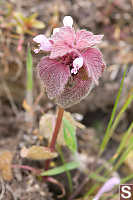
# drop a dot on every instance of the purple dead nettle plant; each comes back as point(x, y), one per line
point(73, 65)
point(71, 68)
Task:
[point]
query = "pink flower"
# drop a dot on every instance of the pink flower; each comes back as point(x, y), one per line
point(73, 65)
point(107, 187)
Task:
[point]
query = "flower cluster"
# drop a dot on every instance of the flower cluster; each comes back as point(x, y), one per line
point(73, 65)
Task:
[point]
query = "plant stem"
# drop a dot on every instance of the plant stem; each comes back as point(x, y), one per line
point(26, 167)
point(55, 134)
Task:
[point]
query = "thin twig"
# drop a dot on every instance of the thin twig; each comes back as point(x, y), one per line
point(2, 188)
point(132, 2)
point(37, 100)
point(79, 189)
point(8, 93)
point(54, 181)
point(26, 167)
point(11, 191)
point(19, 70)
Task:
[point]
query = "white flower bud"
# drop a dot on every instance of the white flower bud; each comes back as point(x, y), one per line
point(68, 21)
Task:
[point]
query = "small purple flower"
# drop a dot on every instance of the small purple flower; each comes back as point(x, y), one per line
point(73, 66)
point(107, 187)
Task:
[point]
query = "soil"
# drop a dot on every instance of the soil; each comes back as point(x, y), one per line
point(114, 21)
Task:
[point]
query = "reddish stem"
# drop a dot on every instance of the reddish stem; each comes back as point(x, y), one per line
point(26, 167)
point(55, 134)
point(54, 181)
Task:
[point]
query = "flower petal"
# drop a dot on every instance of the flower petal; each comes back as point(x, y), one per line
point(45, 44)
point(107, 187)
point(94, 62)
point(60, 49)
point(63, 42)
point(86, 39)
point(56, 30)
point(66, 34)
point(54, 75)
point(77, 88)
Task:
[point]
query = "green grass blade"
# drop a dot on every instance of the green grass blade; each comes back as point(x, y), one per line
point(123, 144)
point(126, 179)
point(120, 114)
point(69, 135)
point(29, 70)
point(91, 191)
point(97, 177)
point(61, 169)
point(67, 172)
point(124, 140)
point(124, 155)
point(107, 133)
point(123, 181)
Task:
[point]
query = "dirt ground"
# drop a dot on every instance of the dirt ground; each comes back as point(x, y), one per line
point(114, 19)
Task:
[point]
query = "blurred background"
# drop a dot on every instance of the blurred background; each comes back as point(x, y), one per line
point(20, 91)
